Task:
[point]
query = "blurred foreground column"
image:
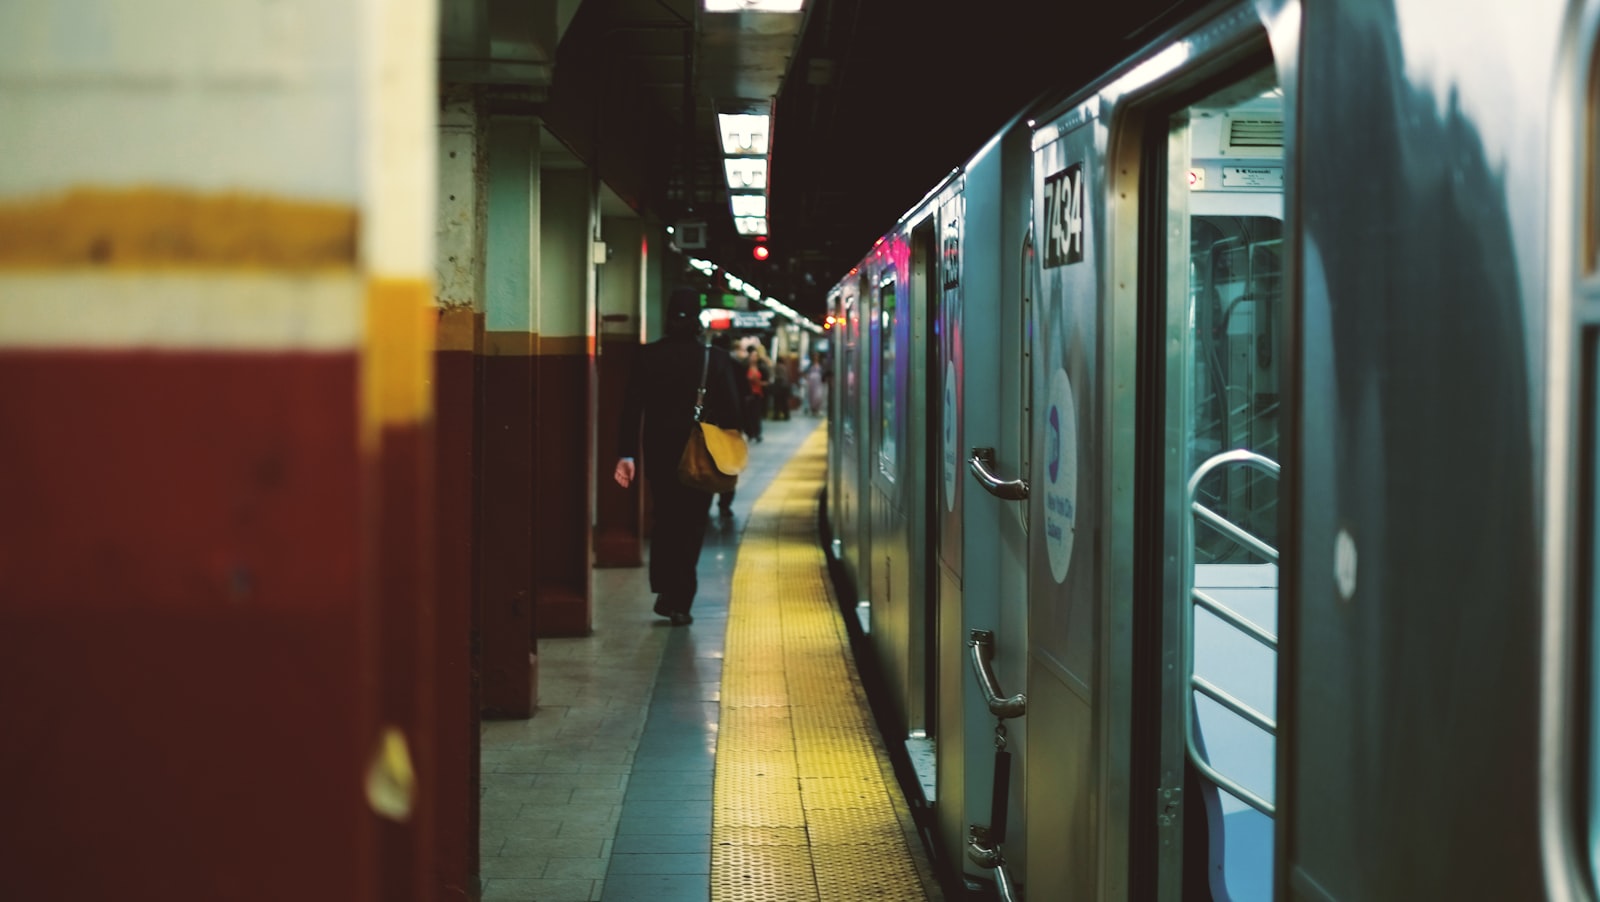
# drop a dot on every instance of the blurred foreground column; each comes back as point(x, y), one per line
point(216, 503)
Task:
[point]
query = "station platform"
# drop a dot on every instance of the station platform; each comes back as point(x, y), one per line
point(734, 758)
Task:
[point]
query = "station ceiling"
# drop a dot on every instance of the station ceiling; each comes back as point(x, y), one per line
point(873, 102)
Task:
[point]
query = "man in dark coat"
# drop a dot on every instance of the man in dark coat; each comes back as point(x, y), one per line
point(661, 392)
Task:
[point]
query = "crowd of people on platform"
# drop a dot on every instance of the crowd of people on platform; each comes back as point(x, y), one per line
point(774, 388)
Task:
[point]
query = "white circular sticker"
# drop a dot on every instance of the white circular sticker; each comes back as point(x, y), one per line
point(952, 454)
point(1344, 564)
point(1060, 474)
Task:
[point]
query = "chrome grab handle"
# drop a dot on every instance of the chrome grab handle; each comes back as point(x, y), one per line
point(1007, 489)
point(989, 857)
point(1227, 615)
point(1000, 705)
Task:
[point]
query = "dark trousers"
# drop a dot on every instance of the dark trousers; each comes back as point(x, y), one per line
point(675, 540)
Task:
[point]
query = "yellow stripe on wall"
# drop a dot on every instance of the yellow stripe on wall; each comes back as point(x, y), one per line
point(460, 329)
point(148, 228)
point(397, 360)
point(565, 346)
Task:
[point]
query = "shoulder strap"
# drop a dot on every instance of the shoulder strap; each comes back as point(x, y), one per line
point(700, 396)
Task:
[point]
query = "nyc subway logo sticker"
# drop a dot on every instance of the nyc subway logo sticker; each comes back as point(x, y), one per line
point(1060, 474)
point(1064, 217)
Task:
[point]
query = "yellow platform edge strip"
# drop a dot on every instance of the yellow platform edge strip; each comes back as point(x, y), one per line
point(805, 804)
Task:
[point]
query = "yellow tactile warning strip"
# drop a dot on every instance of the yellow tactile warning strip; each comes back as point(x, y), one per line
point(805, 803)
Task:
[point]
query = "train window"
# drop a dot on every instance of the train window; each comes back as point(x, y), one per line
point(1226, 166)
point(1236, 293)
point(850, 332)
point(888, 416)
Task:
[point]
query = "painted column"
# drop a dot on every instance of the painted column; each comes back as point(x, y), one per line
point(216, 546)
point(506, 528)
point(564, 466)
point(461, 230)
point(619, 512)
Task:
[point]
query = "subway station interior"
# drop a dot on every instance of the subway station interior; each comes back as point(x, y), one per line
point(1218, 376)
point(313, 318)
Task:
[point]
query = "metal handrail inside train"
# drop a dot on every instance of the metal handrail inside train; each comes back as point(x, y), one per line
point(1227, 615)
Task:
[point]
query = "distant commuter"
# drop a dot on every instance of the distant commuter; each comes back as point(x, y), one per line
point(816, 397)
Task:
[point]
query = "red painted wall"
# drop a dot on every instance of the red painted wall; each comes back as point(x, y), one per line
point(189, 667)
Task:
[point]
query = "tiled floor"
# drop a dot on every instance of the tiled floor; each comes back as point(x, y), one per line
point(606, 792)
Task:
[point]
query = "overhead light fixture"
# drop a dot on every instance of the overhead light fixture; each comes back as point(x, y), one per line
point(754, 6)
point(746, 173)
point(743, 133)
point(748, 204)
point(750, 225)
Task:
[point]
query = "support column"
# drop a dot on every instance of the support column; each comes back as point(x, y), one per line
point(618, 537)
point(216, 545)
point(462, 226)
point(565, 403)
point(507, 498)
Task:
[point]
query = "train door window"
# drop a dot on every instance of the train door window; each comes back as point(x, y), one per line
point(888, 411)
point(850, 333)
point(1225, 293)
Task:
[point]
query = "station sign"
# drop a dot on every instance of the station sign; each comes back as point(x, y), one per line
point(751, 319)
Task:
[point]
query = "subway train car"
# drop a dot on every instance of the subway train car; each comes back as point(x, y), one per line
point(1214, 459)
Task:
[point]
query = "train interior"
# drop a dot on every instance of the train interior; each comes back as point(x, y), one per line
point(1230, 408)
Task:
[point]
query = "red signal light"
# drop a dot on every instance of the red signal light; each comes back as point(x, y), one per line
point(760, 252)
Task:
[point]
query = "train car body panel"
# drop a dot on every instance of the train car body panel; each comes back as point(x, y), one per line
point(994, 555)
point(1065, 594)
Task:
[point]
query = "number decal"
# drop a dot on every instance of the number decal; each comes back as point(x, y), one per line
point(1063, 217)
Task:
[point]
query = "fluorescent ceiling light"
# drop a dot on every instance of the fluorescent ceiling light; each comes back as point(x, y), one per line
point(746, 174)
point(743, 133)
point(750, 225)
point(754, 6)
point(748, 204)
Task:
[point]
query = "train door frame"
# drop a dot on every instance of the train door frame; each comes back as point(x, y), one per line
point(1146, 146)
point(836, 457)
point(1570, 642)
point(1236, 41)
point(923, 458)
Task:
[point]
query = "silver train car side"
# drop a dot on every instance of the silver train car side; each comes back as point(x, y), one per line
point(1213, 458)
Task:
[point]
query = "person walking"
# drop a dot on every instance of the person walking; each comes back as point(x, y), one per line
point(755, 400)
point(661, 394)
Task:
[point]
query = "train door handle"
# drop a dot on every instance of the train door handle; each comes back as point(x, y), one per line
point(981, 643)
point(1008, 489)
